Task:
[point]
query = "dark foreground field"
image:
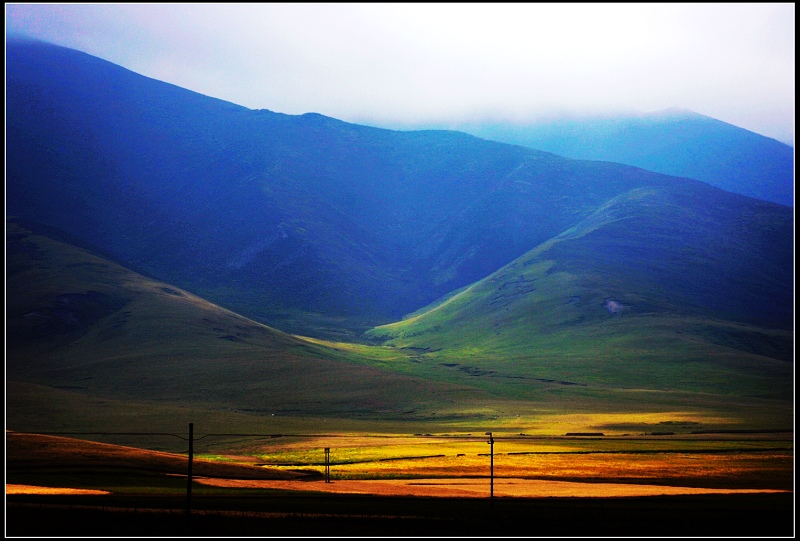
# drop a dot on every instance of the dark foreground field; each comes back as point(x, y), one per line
point(301, 514)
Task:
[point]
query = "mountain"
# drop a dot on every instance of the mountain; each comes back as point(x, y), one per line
point(158, 239)
point(674, 142)
point(307, 223)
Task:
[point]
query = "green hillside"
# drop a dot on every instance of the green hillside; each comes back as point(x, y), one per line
point(597, 313)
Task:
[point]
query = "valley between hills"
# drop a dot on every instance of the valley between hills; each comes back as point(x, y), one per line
point(133, 343)
point(281, 279)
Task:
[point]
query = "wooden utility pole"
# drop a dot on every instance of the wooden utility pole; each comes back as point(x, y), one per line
point(327, 464)
point(189, 475)
point(491, 468)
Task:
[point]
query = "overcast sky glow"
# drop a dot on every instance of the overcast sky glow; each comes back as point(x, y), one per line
point(400, 64)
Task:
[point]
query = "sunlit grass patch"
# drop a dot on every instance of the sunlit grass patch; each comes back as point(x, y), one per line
point(617, 423)
point(215, 458)
point(684, 461)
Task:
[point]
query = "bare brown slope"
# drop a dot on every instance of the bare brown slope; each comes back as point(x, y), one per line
point(27, 452)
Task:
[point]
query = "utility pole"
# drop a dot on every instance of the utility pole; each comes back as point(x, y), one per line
point(491, 468)
point(189, 476)
point(327, 464)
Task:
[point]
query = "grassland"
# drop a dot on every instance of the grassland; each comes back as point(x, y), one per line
point(762, 461)
point(695, 461)
point(144, 492)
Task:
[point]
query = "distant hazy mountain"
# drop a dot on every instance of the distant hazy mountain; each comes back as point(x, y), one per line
point(673, 142)
point(312, 224)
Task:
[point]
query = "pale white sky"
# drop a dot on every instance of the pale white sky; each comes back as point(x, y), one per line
point(400, 64)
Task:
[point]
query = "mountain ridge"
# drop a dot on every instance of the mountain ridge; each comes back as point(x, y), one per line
point(672, 141)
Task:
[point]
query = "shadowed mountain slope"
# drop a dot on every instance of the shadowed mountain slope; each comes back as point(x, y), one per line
point(673, 142)
point(79, 322)
point(305, 222)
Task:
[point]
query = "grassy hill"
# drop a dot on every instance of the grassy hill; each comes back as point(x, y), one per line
point(631, 304)
point(82, 324)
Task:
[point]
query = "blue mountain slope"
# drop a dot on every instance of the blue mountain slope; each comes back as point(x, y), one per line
point(673, 142)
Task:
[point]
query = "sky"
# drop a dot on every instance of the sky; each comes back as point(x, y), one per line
point(425, 64)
